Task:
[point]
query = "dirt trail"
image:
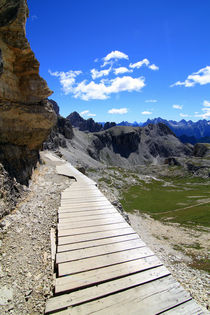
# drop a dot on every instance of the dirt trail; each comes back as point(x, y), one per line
point(26, 277)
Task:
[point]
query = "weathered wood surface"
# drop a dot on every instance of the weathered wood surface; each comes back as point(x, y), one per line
point(102, 265)
point(94, 236)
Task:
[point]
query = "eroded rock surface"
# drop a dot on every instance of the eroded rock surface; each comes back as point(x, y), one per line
point(26, 116)
point(61, 131)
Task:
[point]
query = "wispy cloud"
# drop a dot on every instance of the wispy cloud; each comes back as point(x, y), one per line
point(116, 55)
point(113, 56)
point(67, 79)
point(143, 62)
point(100, 91)
point(205, 110)
point(206, 103)
point(99, 73)
point(183, 115)
point(153, 67)
point(87, 113)
point(176, 106)
point(146, 112)
point(87, 88)
point(201, 77)
point(120, 111)
point(121, 70)
point(150, 101)
point(139, 64)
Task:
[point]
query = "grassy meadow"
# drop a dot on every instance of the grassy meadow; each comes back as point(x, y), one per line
point(184, 200)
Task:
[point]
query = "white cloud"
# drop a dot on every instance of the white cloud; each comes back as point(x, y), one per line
point(205, 110)
point(121, 70)
point(67, 79)
point(205, 115)
point(201, 77)
point(183, 115)
point(118, 111)
point(100, 91)
point(151, 101)
point(139, 64)
point(206, 103)
point(177, 106)
point(146, 112)
point(116, 55)
point(98, 74)
point(87, 113)
point(154, 67)
point(113, 57)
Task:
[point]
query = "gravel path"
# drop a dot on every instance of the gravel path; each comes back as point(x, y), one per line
point(163, 239)
point(26, 276)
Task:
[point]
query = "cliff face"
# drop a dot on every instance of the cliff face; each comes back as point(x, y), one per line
point(61, 131)
point(88, 125)
point(26, 116)
point(126, 146)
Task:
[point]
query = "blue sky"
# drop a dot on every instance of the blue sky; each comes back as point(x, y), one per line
point(124, 60)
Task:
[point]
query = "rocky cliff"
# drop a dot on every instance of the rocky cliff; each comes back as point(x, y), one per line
point(88, 125)
point(26, 116)
point(127, 146)
point(60, 132)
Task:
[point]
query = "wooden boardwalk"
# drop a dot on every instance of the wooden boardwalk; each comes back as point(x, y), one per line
point(103, 267)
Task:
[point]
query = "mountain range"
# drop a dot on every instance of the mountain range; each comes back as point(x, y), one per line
point(186, 131)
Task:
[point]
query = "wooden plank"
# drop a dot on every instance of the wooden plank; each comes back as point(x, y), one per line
point(74, 195)
point(94, 236)
point(187, 308)
point(96, 216)
point(85, 188)
point(101, 290)
point(70, 225)
point(69, 208)
point(84, 230)
point(104, 241)
point(102, 261)
point(86, 203)
point(93, 277)
point(88, 214)
point(148, 299)
point(82, 199)
point(99, 250)
point(84, 206)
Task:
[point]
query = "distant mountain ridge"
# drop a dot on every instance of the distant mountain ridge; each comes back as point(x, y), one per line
point(88, 124)
point(186, 131)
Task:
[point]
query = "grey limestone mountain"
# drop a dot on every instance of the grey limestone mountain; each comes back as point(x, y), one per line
point(88, 125)
point(130, 146)
point(60, 132)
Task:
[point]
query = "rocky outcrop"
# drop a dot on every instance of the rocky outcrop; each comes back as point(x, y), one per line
point(26, 116)
point(60, 132)
point(129, 146)
point(82, 124)
point(200, 150)
point(10, 191)
point(55, 107)
point(88, 125)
